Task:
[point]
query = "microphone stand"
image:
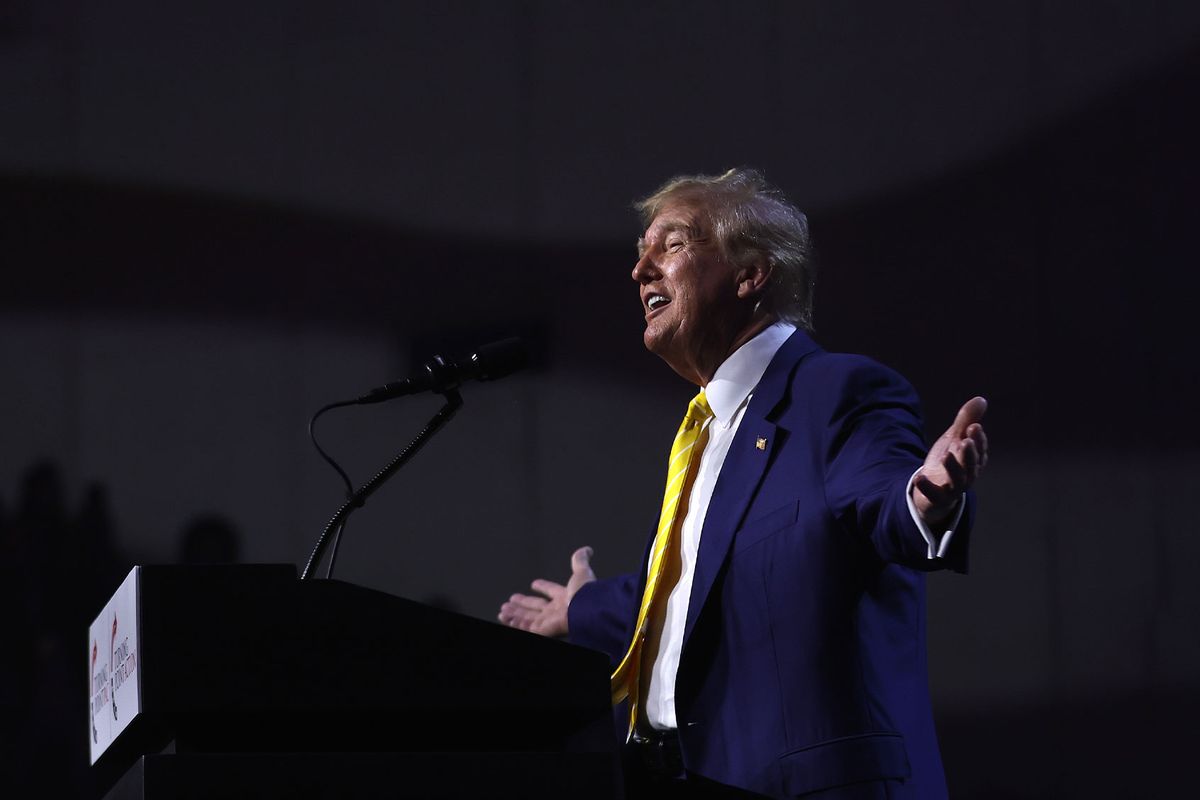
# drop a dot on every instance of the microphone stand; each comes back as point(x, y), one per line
point(356, 500)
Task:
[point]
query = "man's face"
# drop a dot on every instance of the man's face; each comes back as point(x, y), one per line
point(689, 293)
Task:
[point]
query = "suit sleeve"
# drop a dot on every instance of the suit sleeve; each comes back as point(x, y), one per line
point(602, 615)
point(873, 444)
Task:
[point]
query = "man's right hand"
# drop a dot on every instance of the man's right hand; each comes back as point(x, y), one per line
point(546, 613)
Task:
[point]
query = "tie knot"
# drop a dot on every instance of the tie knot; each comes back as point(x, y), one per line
point(698, 409)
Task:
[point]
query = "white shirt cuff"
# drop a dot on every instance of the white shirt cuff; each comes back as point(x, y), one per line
point(938, 544)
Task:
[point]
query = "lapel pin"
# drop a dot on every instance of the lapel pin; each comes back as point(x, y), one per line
point(761, 444)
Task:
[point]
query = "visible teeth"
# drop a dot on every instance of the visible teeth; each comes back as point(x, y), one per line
point(655, 301)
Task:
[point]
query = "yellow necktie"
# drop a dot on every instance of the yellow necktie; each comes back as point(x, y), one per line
point(685, 456)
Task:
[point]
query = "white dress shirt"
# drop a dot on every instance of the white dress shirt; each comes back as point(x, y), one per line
point(728, 394)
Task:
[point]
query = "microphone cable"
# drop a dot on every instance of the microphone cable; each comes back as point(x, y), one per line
point(441, 376)
point(359, 497)
point(312, 435)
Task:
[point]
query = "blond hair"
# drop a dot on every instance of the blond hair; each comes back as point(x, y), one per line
point(751, 219)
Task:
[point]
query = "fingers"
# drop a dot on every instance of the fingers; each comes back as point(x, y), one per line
point(528, 603)
point(546, 612)
point(550, 589)
point(581, 560)
point(944, 480)
point(954, 462)
point(972, 412)
point(534, 614)
point(962, 463)
point(515, 616)
point(524, 612)
point(581, 571)
point(979, 437)
point(937, 495)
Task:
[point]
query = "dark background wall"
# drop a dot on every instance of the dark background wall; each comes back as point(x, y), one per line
point(216, 217)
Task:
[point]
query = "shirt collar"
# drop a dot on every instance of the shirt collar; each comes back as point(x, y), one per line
point(737, 376)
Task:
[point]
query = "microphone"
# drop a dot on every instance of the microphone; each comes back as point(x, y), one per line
point(488, 363)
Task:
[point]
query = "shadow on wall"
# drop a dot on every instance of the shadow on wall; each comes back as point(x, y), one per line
point(1068, 256)
point(1069, 261)
point(59, 564)
point(210, 539)
point(57, 567)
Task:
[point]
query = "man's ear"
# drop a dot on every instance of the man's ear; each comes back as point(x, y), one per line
point(753, 278)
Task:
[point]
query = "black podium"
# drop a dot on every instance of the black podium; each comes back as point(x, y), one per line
point(252, 683)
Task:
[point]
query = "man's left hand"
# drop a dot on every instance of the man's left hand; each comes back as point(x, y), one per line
point(952, 465)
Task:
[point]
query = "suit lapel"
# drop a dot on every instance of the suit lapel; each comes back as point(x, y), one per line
point(743, 471)
point(731, 497)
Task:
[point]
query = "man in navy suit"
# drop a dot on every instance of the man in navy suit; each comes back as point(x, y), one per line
point(789, 657)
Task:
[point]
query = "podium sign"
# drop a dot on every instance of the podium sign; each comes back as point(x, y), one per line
point(241, 681)
point(114, 683)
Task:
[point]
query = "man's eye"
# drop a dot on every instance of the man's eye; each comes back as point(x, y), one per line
point(674, 244)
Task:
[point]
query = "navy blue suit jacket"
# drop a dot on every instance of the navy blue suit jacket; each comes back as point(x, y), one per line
point(803, 666)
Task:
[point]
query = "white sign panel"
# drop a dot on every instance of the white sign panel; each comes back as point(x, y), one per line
point(114, 685)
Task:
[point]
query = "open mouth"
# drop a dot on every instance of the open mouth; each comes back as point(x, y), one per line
point(656, 301)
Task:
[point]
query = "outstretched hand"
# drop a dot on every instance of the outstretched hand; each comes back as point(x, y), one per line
point(952, 465)
point(546, 612)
